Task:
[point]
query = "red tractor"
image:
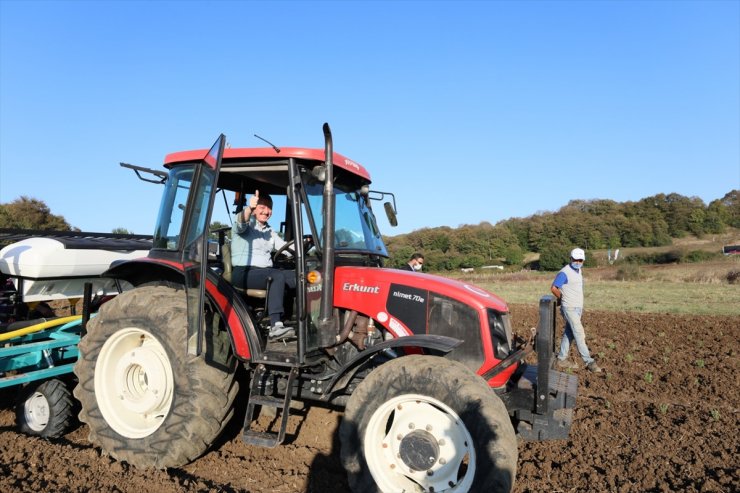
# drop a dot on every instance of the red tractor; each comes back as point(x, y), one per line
point(431, 378)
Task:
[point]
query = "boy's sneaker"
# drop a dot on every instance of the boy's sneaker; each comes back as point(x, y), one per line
point(279, 331)
point(593, 367)
point(565, 364)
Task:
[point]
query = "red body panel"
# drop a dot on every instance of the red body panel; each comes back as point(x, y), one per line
point(368, 290)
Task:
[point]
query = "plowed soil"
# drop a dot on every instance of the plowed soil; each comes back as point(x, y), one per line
point(663, 417)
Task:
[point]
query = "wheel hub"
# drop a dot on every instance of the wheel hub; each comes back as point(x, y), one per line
point(141, 382)
point(417, 443)
point(36, 411)
point(134, 382)
point(419, 450)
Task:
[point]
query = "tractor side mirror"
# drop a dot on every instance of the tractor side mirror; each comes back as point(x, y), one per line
point(390, 212)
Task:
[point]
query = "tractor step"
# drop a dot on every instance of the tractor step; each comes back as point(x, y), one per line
point(266, 400)
point(257, 397)
point(265, 439)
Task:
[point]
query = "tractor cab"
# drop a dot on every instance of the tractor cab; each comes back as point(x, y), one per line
point(295, 178)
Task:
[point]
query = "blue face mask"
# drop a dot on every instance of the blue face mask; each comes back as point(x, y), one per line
point(576, 265)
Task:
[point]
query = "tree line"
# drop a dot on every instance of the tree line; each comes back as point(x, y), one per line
point(589, 224)
point(30, 213)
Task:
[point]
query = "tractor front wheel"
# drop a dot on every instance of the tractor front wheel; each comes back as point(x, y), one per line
point(145, 399)
point(425, 423)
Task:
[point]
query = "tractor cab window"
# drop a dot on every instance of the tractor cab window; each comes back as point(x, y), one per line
point(172, 208)
point(356, 229)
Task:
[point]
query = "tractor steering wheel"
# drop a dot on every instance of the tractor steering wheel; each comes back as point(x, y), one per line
point(289, 248)
point(285, 250)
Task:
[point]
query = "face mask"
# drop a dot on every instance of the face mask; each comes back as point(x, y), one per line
point(576, 265)
point(417, 267)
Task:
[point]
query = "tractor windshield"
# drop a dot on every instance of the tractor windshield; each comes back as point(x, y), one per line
point(356, 229)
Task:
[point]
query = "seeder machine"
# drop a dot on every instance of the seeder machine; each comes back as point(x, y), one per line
point(38, 349)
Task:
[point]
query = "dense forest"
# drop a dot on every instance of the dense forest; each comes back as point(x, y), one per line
point(589, 224)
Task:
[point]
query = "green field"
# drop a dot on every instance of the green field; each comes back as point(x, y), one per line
point(699, 289)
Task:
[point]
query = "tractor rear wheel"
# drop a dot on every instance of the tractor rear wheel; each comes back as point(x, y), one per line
point(44, 409)
point(145, 399)
point(425, 423)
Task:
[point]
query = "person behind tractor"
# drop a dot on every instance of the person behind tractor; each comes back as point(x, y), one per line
point(568, 289)
point(252, 244)
point(415, 263)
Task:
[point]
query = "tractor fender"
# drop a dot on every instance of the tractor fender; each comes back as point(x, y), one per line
point(242, 331)
point(144, 270)
point(436, 343)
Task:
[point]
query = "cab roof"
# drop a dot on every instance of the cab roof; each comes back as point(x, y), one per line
point(246, 154)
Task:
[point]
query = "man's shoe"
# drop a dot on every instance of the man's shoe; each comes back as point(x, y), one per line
point(288, 334)
point(280, 331)
point(593, 367)
point(565, 364)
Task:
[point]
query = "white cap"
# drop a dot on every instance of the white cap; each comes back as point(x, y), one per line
point(577, 254)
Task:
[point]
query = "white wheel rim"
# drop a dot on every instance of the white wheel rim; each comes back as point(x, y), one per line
point(434, 428)
point(36, 411)
point(134, 384)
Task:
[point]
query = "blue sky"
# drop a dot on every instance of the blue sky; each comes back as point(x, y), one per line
point(467, 111)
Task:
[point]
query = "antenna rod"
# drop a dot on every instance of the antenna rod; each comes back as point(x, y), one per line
point(265, 140)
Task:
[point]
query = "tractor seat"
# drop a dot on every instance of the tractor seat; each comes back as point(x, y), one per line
point(228, 268)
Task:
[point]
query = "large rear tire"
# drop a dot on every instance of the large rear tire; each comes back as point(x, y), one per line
point(145, 399)
point(425, 423)
point(44, 409)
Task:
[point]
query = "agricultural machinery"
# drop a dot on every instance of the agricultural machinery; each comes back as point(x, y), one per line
point(37, 348)
point(434, 383)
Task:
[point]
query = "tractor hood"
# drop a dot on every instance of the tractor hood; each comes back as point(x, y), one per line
point(401, 299)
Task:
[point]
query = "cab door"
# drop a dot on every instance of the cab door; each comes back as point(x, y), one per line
point(196, 233)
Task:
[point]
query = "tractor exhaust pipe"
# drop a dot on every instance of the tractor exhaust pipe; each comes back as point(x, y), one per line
point(327, 322)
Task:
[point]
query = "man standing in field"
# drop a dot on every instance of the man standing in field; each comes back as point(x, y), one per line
point(568, 289)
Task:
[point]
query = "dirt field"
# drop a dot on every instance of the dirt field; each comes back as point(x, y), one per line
point(662, 418)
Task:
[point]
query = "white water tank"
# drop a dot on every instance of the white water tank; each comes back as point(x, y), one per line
point(50, 270)
point(39, 258)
